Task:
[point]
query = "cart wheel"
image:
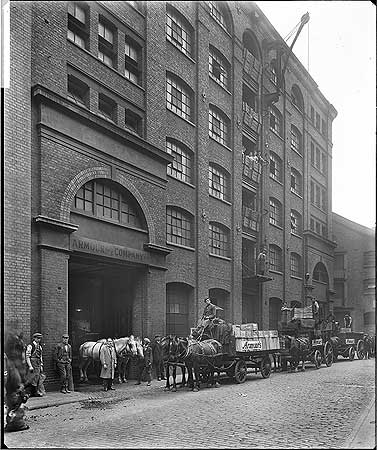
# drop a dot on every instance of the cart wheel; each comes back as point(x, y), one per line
point(351, 353)
point(240, 371)
point(317, 359)
point(328, 354)
point(360, 349)
point(265, 367)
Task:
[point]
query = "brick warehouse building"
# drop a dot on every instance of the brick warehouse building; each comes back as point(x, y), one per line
point(147, 165)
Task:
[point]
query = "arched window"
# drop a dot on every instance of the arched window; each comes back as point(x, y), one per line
point(219, 125)
point(179, 97)
point(276, 212)
point(218, 239)
point(297, 98)
point(220, 13)
point(219, 68)
point(296, 223)
point(296, 182)
point(296, 265)
point(276, 167)
point(182, 165)
point(178, 31)
point(320, 273)
point(276, 258)
point(296, 140)
point(276, 121)
point(250, 43)
point(179, 227)
point(219, 182)
point(107, 200)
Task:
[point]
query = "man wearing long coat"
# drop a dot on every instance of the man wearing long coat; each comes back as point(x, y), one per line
point(109, 361)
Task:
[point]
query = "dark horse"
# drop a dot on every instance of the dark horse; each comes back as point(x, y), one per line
point(15, 394)
point(299, 348)
point(172, 358)
point(202, 359)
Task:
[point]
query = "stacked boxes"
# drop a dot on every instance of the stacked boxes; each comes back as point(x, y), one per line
point(303, 313)
point(249, 338)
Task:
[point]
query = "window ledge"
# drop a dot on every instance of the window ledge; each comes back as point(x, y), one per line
point(296, 194)
point(218, 83)
point(319, 209)
point(296, 277)
point(222, 145)
point(276, 226)
point(181, 51)
point(277, 181)
point(177, 115)
point(220, 199)
point(184, 247)
point(181, 181)
point(226, 258)
point(297, 153)
point(275, 133)
point(276, 271)
point(296, 235)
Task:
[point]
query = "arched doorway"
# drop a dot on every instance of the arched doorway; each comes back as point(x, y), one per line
point(178, 297)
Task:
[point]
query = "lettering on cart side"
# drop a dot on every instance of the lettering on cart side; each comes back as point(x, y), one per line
point(350, 341)
point(252, 345)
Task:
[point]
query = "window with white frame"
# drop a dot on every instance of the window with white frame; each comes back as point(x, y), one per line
point(106, 43)
point(296, 266)
point(296, 223)
point(218, 67)
point(318, 195)
point(179, 226)
point(218, 126)
point(296, 182)
point(218, 12)
point(296, 140)
point(276, 167)
point(77, 30)
point(276, 258)
point(178, 98)
point(181, 167)
point(276, 212)
point(318, 157)
point(218, 240)
point(275, 121)
point(178, 31)
point(218, 182)
point(132, 60)
point(318, 227)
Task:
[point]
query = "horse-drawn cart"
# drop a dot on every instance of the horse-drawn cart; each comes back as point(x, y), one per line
point(347, 343)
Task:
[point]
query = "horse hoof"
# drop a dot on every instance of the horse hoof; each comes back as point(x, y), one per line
point(174, 389)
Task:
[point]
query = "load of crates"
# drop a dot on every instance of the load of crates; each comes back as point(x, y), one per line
point(249, 338)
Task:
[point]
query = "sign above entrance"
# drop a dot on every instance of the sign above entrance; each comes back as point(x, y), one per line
point(100, 248)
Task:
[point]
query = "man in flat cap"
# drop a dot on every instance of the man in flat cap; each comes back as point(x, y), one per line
point(34, 360)
point(63, 361)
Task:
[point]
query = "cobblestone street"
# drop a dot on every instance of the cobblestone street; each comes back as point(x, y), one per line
point(312, 409)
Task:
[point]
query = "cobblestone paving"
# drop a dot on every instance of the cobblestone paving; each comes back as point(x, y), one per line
point(312, 409)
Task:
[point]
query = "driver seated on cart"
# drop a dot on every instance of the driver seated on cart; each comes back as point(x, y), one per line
point(209, 314)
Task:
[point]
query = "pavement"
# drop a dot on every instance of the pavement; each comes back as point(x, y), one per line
point(364, 433)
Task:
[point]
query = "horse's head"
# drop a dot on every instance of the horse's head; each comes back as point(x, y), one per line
point(14, 346)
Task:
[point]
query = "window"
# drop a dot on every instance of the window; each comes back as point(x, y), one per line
point(296, 223)
point(275, 121)
point(296, 266)
point(276, 258)
point(181, 167)
point(296, 182)
point(218, 182)
point(106, 107)
point(276, 212)
point(312, 114)
point(296, 140)
point(249, 100)
point(133, 121)
point(273, 73)
point(218, 67)
point(218, 12)
point(318, 196)
point(77, 30)
point(178, 32)
point(317, 121)
point(297, 98)
point(318, 227)
point(78, 91)
point(105, 200)
point(218, 240)
point(318, 157)
point(178, 98)
point(132, 62)
point(218, 126)
point(276, 166)
point(320, 273)
point(106, 44)
point(324, 128)
point(250, 216)
point(179, 227)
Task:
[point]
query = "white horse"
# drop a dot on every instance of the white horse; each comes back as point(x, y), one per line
point(90, 351)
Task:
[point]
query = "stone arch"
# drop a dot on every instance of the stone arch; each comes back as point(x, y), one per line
point(104, 172)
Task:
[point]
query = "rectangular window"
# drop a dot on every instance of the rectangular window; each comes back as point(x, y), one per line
point(78, 91)
point(132, 63)
point(275, 168)
point(133, 121)
point(181, 166)
point(77, 30)
point(217, 68)
point(318, 227)
point(106, 44)
point(317, 121)
point(295, 266)
point(106, 107)
point(312, 114)
point(219, 243)
point(275, 259)
point(218, 186)
point(217, 127)
point(275, 122)
point(324, 128)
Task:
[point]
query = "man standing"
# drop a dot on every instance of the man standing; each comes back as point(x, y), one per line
point(34, 360)
point(262, 262)
point(347, 320)
point(109, 361)
point(145, 369)
point(63, 360)
point(158, 362)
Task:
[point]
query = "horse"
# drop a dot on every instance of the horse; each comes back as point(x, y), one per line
point(299, 348)
point(172, 358)
point(15, 393)
point(369, 346)
point(202, 359)
point(90, 351)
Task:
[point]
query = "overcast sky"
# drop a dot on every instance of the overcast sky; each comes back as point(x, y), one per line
point(342, 61)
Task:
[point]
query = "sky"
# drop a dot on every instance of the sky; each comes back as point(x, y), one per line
point(338, 48)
